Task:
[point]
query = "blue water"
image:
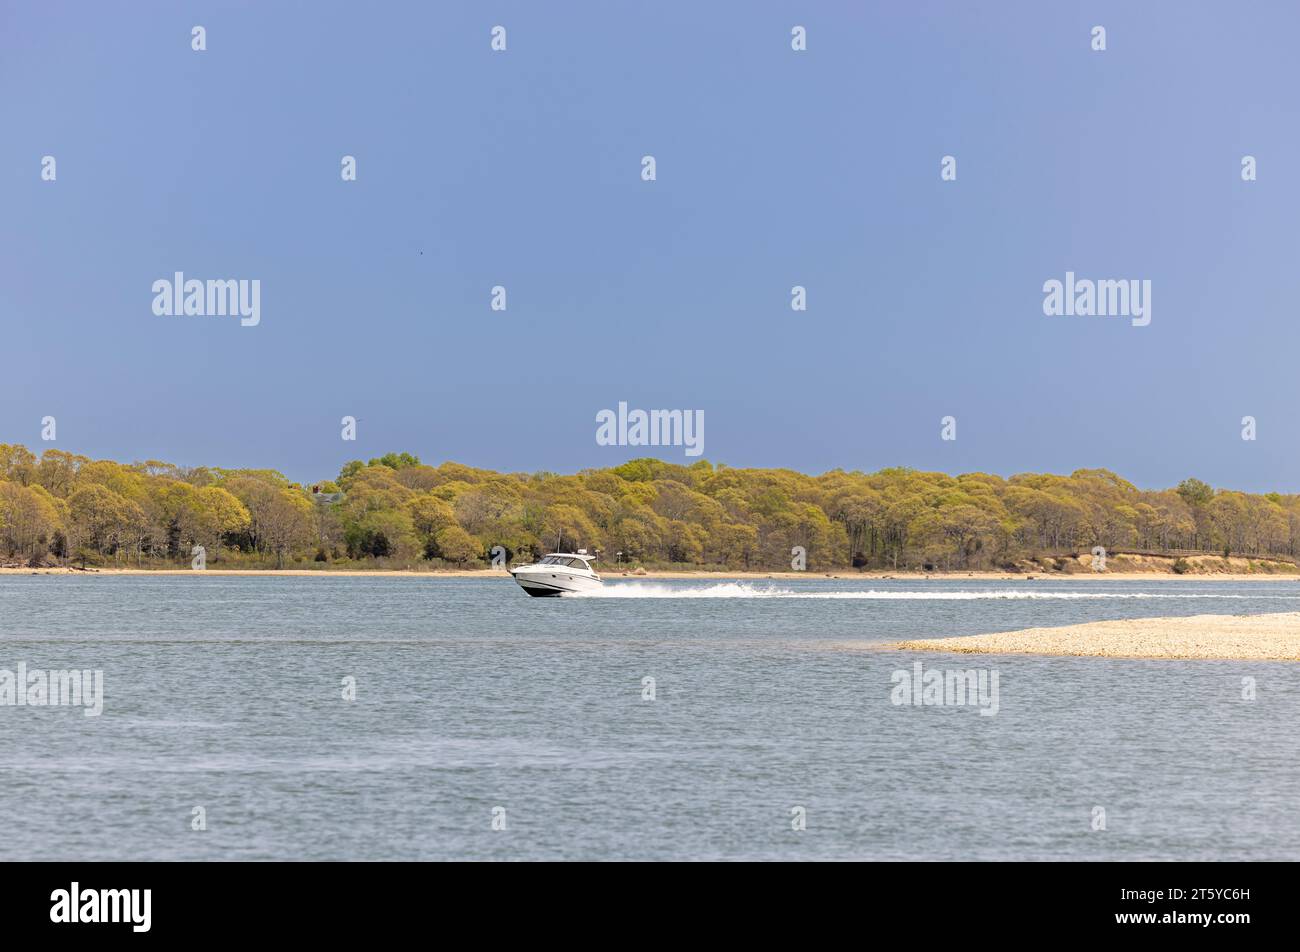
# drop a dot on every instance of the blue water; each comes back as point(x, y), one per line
point(225, 693)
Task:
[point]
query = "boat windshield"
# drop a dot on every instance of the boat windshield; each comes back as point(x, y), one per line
point(564, 560)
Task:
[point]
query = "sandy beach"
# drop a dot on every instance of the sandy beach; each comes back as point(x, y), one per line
point(1270, 637)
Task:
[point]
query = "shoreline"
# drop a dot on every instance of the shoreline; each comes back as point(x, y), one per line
point(1274, 636)
point(669, 574)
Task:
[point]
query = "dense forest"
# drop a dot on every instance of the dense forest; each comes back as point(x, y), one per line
point(396, 512)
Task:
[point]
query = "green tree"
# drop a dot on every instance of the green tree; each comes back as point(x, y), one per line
point(457, 545)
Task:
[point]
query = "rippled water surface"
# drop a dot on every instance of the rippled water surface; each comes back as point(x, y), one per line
point(226, 693)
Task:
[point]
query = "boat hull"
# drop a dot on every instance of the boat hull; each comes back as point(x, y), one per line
point(552, 584)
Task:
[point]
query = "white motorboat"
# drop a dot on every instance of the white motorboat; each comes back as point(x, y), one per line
point(557, 574)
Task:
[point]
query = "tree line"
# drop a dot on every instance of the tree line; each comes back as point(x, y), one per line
point(395, 511)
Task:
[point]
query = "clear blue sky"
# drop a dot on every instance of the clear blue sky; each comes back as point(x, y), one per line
point(775, 168)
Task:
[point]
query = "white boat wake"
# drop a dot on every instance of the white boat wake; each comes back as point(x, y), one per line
point(751, 590)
